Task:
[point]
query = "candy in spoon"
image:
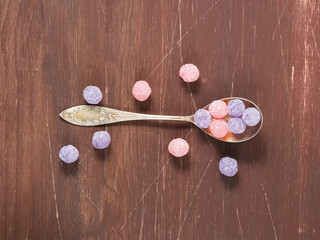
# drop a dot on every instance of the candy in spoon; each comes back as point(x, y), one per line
point(251, 117)
point(202, 118)
point(236, 107)
point(218, 109)
point(219, 128)
point(236, 125)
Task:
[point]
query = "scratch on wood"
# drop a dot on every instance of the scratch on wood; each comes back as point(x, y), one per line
point(53, 179)
point(145, 193)
point(193, 198)
point(93, 204)
point(242, 35)
point(239, 223)
point(268, 205)
point(315, 43)
point(279, 20)
point(183, 36)
point(192, 99)
point(83, 158)
point(232, 89)
point(292, 76)
point(142, 223)
point(180, 31)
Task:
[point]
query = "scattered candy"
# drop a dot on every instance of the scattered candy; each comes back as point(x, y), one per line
point(141, 90)
point(237, 125)
point(69, 154)
point(228, 166)
point(92, 95)
point(236, 107)
point(189, 73)
point(251, 117)
point(218, 109)
point(202, 118)
point(219, 128)
point(101, 139)
point(178, 147)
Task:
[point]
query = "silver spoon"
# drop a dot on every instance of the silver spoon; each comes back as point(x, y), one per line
point(88, 115)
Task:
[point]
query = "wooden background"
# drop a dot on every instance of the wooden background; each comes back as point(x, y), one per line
point(267, 51)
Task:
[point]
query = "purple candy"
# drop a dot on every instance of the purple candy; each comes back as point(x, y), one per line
point(202, 118)
point(69, 154)
point(236, 107)
point(236, 125)
point(228, 166)
point(92, 94)
point(251, 117)
point(101, 139)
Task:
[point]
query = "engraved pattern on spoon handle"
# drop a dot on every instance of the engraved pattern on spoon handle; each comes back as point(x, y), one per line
point(87, 115)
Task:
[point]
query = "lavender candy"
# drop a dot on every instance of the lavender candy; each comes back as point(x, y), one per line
point(101, 139)
point(202, 118)
point(251, 117)
point(236, 107)
point(92, 95)
point(228, 166)
point(236, 125)
point(69, 154)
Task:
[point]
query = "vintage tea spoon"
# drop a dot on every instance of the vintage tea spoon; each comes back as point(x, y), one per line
point(89, 115)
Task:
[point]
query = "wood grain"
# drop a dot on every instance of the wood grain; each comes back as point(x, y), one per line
point(266, 51)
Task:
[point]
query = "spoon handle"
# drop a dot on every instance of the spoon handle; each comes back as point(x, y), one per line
point(87, 115)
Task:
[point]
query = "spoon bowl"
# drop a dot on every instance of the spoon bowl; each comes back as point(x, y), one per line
point(249, 133)
point(89, 115)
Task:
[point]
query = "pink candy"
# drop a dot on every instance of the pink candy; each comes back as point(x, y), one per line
point(218, 109)
point(178, 147)
point(141, 90)
point(219, 128)
point(189, 73)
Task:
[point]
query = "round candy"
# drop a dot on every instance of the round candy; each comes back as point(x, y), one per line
point(202, 118)
point(101, 139)
point(218, 109)
point(236, 108)
point(141, 90)
point(251, 117)
point(189, 72)
point(92, 94)
point(219, 128)
point(237, 125)
point(69, 154)
point(178, 147)
point(228, 166)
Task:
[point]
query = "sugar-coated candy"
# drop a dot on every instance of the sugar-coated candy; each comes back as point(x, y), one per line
point(141, 90)
point(202, 118)
point(101, 139)
point(236, 107)
point(69, 154)
point(219, 128)
point(218, 109)
point(189, 72)
point(228, 166)
point(92, 94)
point(178, 147)
point(236, 125)
point(251, 116)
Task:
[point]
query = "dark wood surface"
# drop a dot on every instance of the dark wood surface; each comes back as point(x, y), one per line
point(266, 51)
